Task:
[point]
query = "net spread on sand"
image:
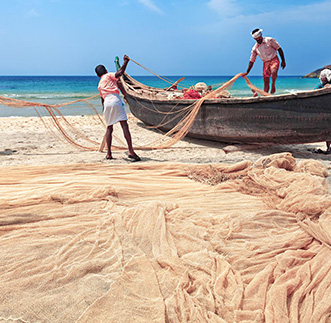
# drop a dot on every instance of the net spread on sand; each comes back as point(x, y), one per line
point(155, 243)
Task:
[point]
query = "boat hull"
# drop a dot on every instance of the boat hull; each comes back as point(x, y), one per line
point(282, 119)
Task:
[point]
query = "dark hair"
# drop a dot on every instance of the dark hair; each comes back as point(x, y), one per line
point(100, 70)
point(255, 30)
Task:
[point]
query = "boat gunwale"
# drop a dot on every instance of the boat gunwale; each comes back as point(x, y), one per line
point(232, 100)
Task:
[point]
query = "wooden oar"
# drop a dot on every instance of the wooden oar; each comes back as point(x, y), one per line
point(175, 84)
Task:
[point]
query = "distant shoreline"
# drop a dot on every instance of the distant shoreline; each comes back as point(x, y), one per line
point(316, 73)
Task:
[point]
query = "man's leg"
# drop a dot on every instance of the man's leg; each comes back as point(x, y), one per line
point(127, 136)
point(266, 76)
point(273, 84)
point(274, 66)
point(274, 75)
point(108, 141)
point(328, 146)
point(266, 81)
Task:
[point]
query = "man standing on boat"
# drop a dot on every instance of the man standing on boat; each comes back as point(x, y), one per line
point(266, 48)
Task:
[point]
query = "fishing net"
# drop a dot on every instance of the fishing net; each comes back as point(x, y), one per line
point(248, 242)
point(53, 119)
point(59, 125)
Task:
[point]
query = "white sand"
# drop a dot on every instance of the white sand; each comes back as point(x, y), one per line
point(26, 141)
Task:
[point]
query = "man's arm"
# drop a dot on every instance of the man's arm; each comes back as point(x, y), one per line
point(281, 54)
point(250, 65)
point(102, 101)
point(121, 71)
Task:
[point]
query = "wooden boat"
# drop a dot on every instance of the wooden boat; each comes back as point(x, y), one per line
point(282, 119)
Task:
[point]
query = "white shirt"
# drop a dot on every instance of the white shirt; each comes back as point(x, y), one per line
point(267, 50)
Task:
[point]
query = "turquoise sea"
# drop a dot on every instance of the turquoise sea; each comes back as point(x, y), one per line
point(61, 89)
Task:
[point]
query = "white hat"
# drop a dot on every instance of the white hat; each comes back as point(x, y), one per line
point(257, 33)
point(325, 74)
point(201, 86)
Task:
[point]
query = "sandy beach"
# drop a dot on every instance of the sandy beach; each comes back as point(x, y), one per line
point(26, 141)
point(200, 232)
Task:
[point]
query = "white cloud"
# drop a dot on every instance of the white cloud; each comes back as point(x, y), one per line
point(150, 5)
point(233, 11)
point(225, 8)
point(315, 14)
point(32, 13)
point(318, 12)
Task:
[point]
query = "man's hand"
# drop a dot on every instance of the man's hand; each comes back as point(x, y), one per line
point(283, 64)
point(244, 74)
point(122, 69)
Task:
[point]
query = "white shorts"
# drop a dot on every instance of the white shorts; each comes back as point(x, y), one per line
point(113, 109)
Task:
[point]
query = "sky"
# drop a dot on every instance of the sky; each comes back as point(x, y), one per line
point(183, 37)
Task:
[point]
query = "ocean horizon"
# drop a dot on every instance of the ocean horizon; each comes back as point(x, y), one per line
point(62, 89)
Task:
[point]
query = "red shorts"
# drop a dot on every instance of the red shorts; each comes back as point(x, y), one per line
point(270, 67)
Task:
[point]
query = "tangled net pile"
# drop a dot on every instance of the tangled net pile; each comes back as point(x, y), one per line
point(96, 243)
point(62, 128)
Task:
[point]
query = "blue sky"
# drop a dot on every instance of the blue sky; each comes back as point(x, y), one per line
point(184, 37)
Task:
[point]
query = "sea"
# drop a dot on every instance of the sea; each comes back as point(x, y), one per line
point(64, 89)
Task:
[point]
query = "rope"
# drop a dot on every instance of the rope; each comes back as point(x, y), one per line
point(254, 88)
point(155, 74)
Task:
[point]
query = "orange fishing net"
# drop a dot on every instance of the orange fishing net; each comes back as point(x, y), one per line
point(61, 127)
point(57, 123)
point(99, 243)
